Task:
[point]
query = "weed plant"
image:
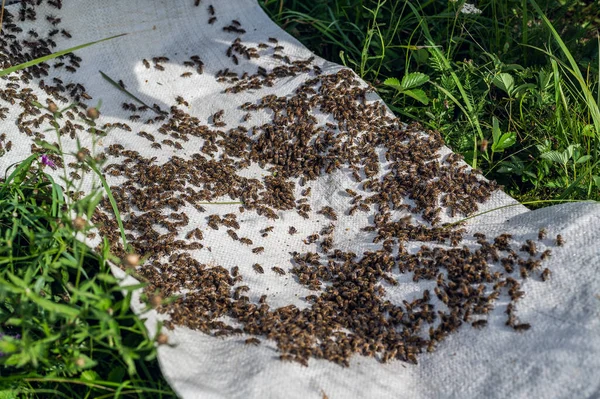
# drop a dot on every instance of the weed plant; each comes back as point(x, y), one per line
point(66, 323)
point(66, 327)
point(512, 85)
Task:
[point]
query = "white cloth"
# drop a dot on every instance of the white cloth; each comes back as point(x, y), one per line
point(559, 357)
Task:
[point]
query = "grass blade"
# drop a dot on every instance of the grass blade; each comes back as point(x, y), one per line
point(118, 86)
point(27, 64)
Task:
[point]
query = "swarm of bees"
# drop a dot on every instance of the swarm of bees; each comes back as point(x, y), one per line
point(405, 204)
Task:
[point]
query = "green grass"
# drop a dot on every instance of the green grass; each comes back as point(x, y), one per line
point(66, 326)
point(514, 88)
point(68, 330)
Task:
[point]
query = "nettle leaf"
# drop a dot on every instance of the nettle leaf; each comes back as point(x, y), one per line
point(504, 82)
point(393, 82)
point(505, 141)
point(418, 95)
point(414, 79)
point(555, 156)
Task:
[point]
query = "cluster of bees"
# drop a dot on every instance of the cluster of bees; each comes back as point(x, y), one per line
point(398, 179)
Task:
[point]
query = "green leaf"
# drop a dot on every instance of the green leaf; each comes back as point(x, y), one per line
point(48, 146)
point(89, 375)
point(393, 82)
point(589, 131)
point(418, 95)
point(596, 180)
point(505, 141)
point(414, 79)
point(583, 158)
point(569, 151)
point(555, 156)
point(496, 133)
point(117, 374)
point(505, 82)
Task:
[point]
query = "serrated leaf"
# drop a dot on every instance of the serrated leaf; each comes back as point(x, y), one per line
point(505, 82)
point(505, 141)
point(393, 82)
point(555, 156)
point(414, 79)
point(418, 95)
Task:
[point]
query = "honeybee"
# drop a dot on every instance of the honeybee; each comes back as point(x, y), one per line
point(258, 268)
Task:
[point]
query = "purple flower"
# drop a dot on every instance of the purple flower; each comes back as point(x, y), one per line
point(48, 162)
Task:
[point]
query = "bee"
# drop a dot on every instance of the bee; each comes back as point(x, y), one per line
point(545, 254)
point(212, 20)
point(246, 241)
point(559, 240)
point(329, 212)
point(258, 268)
point(70, 69)
point(351, 193)
point(247, 117)
point(522, 327)
point(181, 101)
point(156, 145)
point(258, 250)
point(53, 32)
point(292, 230)
point(278, 270)
point(252, 341)
point(541, 234)
point(66, 34)
point(186, 75)
point(529, 247)
point(200, 69)
point(211, 10)
point(236, 22)
point(233, 234)
point(159, 67)
point(546, 274)
point(273, 40)
point(479, 323)
point(146, 63)
point(306, 192)
point(53, 20)
point(196, 3)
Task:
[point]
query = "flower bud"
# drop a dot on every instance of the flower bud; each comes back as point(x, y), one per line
point(92, 113)
point(131, 260)
point(79, 223)
point(162, 339)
